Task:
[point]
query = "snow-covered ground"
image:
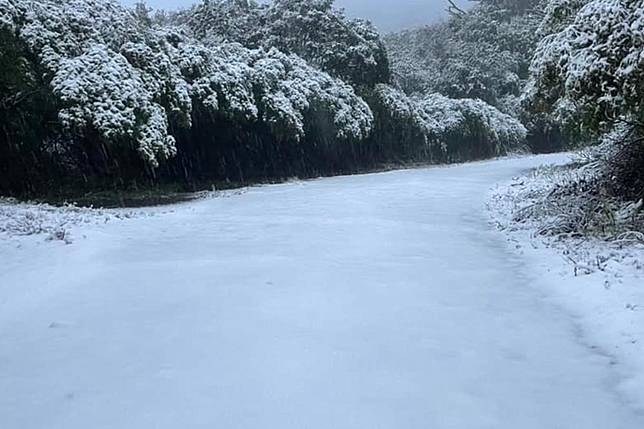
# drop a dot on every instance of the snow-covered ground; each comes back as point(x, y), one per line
point(599, 282)
point(377, 301)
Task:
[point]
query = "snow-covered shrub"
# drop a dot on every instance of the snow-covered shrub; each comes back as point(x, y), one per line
point(347, 48)
point(558, 14)
point(484, 53)
point(226, 21)
point(401, 127)
point(123, 81)
point(590, 72)
point(403, 108)
point(8, 15)
point(312, 29)
point(77, 44)
point(273, 87)
point(471, 128)
point(119, 82)
point(99, 88)
point(228, 90)
point(52, 222)
point(588, 76)
point(574, 201)
point(416, 59)
point(445, 128)
point(18, 219)
point(622, 162)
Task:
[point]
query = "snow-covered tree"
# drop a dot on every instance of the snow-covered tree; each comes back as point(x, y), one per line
point(400, 127)
point(451, 129)
point(590, 73)
point(558, 14)
point(215, 21)
point(482, 53)
point(229, 89)
point(515, 6)
point(350, 49)
point(347, 48)
point(471, 129)
point(76, 43)
point(126, 81)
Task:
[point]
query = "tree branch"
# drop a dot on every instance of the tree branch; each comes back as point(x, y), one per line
point(454, 10)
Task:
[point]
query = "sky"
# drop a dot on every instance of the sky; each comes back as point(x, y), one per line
point(387, 15)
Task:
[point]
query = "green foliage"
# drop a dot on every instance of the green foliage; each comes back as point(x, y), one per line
point(26, 118)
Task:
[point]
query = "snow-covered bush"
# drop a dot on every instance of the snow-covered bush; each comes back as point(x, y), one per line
point(99, 88)
point(574, 201)
point(8, 15)
point(271, 86)
point(349, 49)
point(403, 109)
point(227, 90)
point(558, 14)
point(119, 81)
point(401, 128)
point(451, 129)
point(590, 73)
point(483, 53)
point(54, 223)
point(588, 76)
point(77, 43)
point(471, 128)
point(312, 29)
point(219, 21)
point(416, 60)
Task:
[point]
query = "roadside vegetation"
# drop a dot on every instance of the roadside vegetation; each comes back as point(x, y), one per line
point(97, 98)
point(588, 74)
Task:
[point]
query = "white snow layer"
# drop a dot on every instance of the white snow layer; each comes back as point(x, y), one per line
point(600, 282)
point(375, 301)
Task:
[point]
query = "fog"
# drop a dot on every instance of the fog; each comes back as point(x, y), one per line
point(393, 15)
point(387, 15)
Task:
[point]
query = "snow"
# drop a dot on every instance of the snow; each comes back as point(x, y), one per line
point(591, 65)
point(116, 77)
point(448, 115)
point(597, 280)
point(19, 219)
point(438, 118)
point(376, 301)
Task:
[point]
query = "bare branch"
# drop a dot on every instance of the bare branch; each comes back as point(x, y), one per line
point(454, 10)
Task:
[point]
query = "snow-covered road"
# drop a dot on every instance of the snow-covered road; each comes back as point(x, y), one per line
point(375, 301)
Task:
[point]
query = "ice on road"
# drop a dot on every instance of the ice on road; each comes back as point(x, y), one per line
point(374, 301)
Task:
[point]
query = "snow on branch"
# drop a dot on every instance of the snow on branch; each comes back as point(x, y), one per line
point(126, 80)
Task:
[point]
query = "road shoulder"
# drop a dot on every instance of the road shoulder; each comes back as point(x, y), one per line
point(600, 282)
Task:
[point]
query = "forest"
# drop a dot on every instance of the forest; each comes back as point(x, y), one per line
point(95, 95)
